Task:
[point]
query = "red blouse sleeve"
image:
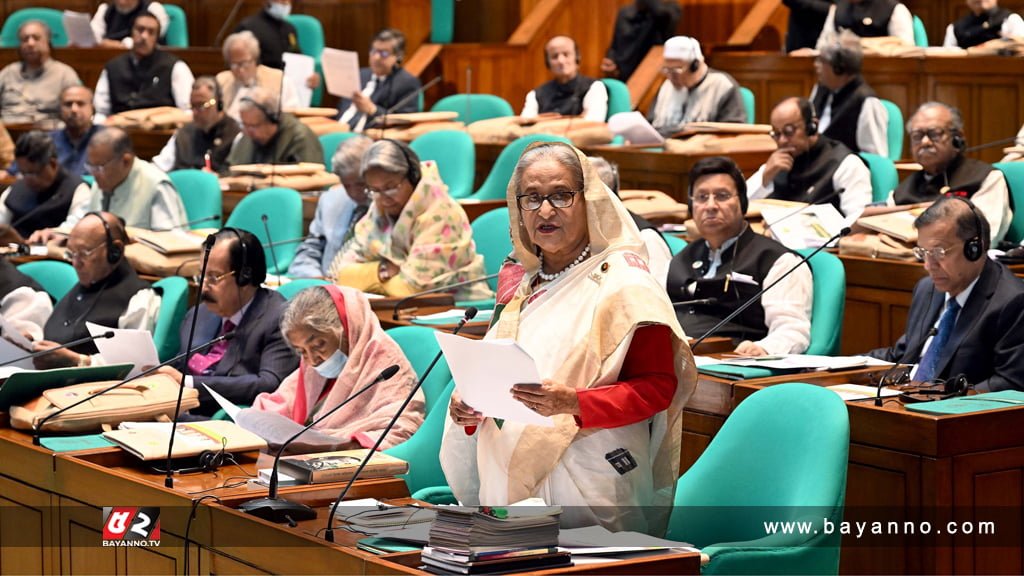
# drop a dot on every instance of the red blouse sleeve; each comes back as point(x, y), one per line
point(646, 383)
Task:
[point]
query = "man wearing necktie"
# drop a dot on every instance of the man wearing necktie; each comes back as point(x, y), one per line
point(967, 316)
point(385, 83)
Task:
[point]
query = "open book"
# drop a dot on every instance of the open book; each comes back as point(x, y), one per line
point(149, 440)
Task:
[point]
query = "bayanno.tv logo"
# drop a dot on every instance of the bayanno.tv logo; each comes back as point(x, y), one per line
point(132, 526)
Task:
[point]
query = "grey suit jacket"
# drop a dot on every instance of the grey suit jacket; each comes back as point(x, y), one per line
point(257, 358)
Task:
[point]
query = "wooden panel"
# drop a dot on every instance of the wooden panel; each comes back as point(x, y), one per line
point(81, 535)
point(990, 487)
point(698, 431)
point(26, 543)
point(486, 20)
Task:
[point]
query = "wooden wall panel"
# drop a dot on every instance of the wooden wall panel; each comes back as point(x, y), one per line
point(712, 21)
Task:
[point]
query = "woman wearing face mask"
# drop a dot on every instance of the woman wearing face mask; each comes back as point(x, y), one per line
point(342, 348)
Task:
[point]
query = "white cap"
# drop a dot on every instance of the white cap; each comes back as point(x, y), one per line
point(682, 48)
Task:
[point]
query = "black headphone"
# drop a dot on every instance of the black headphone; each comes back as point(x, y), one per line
point(694, 65)
point(958, 141)
point(951, 388)
point(575, 49)
point(114, 253)
point(810, 119)
point(412, 174)
point(271, 115)
point(974, 247)
point(244, 275)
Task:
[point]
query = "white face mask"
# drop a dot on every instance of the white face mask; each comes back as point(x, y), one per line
point(279, 11)
point(332, 367)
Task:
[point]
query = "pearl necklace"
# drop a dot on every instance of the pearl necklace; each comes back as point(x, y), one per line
point(549, 277)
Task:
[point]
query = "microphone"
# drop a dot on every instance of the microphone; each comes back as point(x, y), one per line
point(398, 305)
point(207, 246)
point(329, 534)
point(39, 427)
point(72, 344)
point(270, 242)
point(280, 510)
point(698, 302)
point(881, 383)
point(827, 199)
point(755, 297)
point(1001, 141)
point(214, 218)
point(407, 99)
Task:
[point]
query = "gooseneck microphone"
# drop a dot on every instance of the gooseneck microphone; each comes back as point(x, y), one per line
point(445, 288)
point(214, 218)
point(329, 533)
point(39, 427)
point(280, 510)
point(756, 297)
point(270, 241)
point(207, 246)
point(697, 302)
point(72, 344)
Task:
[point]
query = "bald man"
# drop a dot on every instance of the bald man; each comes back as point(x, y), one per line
point(29, 88)
point(568, 93)
point(108, 293)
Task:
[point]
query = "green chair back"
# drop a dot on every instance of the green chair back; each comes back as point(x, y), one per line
point(749, 103)
point(884, 177)
point(618, 96)
point(55, 276)
point(311, 43)
point(420, 346)
point(201, 194)
point(177, 30)
point(473, 107)
point(494, 187)
point(173, 305)
point(894, 130)
point(1014, 174)
point(88, 179)
point(920, 33)
point(283, 209)
point(828, 303)
point(442, 21)
point(330, 142)
point(780, 456)
point(675, 243)
point(423, 448)
point(53, 18)
point(455, 154)
point(493, 240)
point(292, 288)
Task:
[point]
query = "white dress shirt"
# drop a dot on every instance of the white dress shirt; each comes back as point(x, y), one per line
point(595, 103)
point(851, 176)
point(1012, 27)
point(26, 310)
point(872, 124)
point(961, 299)
point(181, 88)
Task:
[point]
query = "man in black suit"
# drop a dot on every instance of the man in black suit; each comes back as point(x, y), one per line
point(385, 83)
point(967, 316)
point(257, 358)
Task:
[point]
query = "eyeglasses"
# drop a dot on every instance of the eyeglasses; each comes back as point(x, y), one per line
point(933, 134)
point(531, 202)
point(240, 64)
point(213, 279)
point(935, 254)
point(389, 192)
point(205, 105)
point(668, 70)
point(789, 130)
point(98, 168)
point(720, 197)
point(71, 255)
point(381, 53)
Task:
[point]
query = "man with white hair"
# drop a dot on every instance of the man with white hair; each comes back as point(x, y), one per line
point(568, 93)
point(245, 72)
point(692, 91)
point(272, 137)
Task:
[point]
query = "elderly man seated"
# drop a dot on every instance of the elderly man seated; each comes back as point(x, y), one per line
point(568, 93)
point(985, 21)
point(245, 72)
point(108, 293)
point(205, 142)
point(30, 87)
point(270, 136)
point(76, 112)
point(868, 19)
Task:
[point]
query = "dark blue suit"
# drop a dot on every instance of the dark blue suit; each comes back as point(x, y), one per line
point(257, 358)
point(395, 87)
point(987, 344)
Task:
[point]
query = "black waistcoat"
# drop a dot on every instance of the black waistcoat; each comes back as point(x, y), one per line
point(868, 19)
point(103, 303)
point(846, 106)
point(972, 30)
point(191, 145)
point(31, 211)
point(145, 83)
point(119, 26)
point(754, 256)
point(566, 99)
point(813, 168)
point(962, 175)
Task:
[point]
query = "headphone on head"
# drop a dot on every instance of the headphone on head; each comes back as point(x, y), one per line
point(974, 247)
point(694, 65)
point(809, 117)
point(412, 174)
point(114, 252)
point(271, 115)
point(244, 275)
point(958, 141)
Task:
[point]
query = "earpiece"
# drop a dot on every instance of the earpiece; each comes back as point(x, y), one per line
point(211, 460)
point(974, 247)
point(114, 252)
point(271, 115)
point(958, 141)
point(807, 112)
point(244, 276)
point(694, 66)
point(413, 174)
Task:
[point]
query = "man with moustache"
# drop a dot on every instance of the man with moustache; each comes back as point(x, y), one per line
point(258, 357)
point(205, 142)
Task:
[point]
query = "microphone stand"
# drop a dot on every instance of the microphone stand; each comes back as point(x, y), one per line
point(72, 344)
point(384, 118)
point(207, 246)
point(270, 242)
point(329, 534)
point(398, 305)
point(279, 510)
point(755, 297)
point(39, 427)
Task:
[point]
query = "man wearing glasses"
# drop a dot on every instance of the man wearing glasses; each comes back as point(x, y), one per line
point(270, 136)
point(809, 167)
point(385, 84)
point(204, 143)
point(713, 276)
point(692, 91)
point(967, 316)
point(937, 143)
point(245, 72)
point(108, 293)
point(233, 300)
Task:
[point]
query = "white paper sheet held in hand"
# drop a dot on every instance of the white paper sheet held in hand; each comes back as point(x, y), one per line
point(126, 347)
point(341, 72)
point(297, 70)
point(485, 371)
point(78, 27)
